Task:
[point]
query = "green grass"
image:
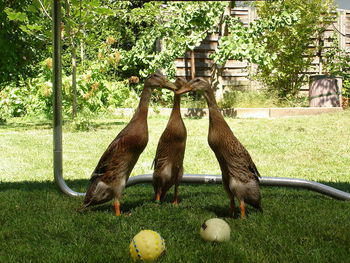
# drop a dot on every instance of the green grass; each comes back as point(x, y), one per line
point(39, 224)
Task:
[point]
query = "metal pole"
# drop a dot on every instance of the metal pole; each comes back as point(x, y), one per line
point(57, 90)
point(57, 102)
point(266, 181)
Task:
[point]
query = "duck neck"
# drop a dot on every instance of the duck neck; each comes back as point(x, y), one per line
point(142, 109)
point(214, 110)
point(211, 101)
point(176, 105)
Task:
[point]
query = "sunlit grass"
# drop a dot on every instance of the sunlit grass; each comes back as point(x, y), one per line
point(310, 147)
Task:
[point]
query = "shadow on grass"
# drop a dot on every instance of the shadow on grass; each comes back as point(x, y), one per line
point(107, 125)
point(144, 194)
point(81, 185)
point(43, 125)
point(24, 125)
point(223, 211)
point(131, 200)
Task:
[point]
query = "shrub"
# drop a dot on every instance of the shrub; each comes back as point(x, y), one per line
point(337, 63)
point(259, 99)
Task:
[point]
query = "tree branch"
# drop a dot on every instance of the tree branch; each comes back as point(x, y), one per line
point(46, 13)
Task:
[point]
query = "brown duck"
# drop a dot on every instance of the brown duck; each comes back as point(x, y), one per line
point(168, 162)
point(240, 176)
point(114, 167)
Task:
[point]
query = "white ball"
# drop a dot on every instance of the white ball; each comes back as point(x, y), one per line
point(215, 229)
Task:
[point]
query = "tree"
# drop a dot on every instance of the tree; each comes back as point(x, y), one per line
point(25, 36)
point(278, 42)
point(180, 26)
point(290, 45)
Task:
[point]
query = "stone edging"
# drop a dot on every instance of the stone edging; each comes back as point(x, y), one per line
point(238, 112)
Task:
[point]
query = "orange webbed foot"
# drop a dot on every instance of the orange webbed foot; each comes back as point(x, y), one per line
point(242, 207)
point(117, 208)
point(157, 197)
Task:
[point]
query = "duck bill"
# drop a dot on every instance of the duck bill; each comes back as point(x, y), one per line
point(82, 208)
point(183, 90)
point(170, 86)
point(180, 82)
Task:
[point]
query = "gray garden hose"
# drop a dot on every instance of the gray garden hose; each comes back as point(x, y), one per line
point(216, 179)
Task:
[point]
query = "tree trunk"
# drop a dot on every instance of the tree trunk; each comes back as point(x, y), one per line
point(74, 81)
point(74, 60)
point(320, 41)
point(82, 53)
point(216, 70)
point(193, 65)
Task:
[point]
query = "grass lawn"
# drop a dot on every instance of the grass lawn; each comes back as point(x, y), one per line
point(39, 224)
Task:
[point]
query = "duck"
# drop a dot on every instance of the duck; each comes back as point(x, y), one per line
point(168, 161)
point(240, 176)
point(108, 179)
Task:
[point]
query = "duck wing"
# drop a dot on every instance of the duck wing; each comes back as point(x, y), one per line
point(162, 152)
point(239, 159)
point(106, 158)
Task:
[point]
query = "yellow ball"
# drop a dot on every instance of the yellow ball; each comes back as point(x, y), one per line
point(147, 245)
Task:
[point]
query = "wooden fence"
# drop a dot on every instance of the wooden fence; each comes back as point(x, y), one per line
point(236, 73)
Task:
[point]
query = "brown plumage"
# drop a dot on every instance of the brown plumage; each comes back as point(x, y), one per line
point(240, 176)
point(168, 162)
point(114, 167)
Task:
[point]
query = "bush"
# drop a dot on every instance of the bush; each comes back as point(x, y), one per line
point(259, 99)
point(337, 63)
point(80, 124)
point(30, 97)
point(284, 75)
point(95, 93)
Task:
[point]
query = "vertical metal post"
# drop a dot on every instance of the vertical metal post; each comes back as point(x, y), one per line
point(57, 102)
point(57, 90)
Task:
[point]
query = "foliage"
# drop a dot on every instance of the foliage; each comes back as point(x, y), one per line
point(180, 26)
point(33, 96)
point(114, 41)
point(117, 45)
point(291, 44)
point(242, 98)
point(25, 34)
point(337, 63)
point(81, 124)
point(277, 42)
point(30, 97)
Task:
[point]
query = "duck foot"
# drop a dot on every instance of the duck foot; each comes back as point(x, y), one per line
point(242, 207)
point(117, 208)
point(157, 197)
point(175, 202)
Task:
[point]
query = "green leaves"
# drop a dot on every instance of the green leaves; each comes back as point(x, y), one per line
point(15, 16)
point(22, 18)
point(337, 63)
point(277, 42)
point(250, 43)
point(104, 11)
point(179, 26)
